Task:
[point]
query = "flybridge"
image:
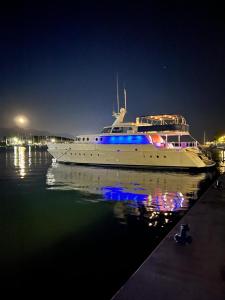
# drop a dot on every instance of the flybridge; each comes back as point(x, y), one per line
point(162, 119)
point(162, 123)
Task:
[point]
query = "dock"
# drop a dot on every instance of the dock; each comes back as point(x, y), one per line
point(191, 271)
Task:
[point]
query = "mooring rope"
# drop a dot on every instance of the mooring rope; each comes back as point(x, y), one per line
point(63, 154)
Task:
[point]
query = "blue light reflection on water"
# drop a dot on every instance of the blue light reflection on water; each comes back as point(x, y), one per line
point(117, 194)
point(159, 202)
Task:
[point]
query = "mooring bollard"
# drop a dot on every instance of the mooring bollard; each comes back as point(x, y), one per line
point(182, 238)
point(218, 185)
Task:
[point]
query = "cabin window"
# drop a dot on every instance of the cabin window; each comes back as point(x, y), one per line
point(157, 156)
point(164, 156)
point(172, 139)
point(83, 139)
point(88, 139)
point(125, 129)
point(96, 139)
point(117, 130)
point(135, 149)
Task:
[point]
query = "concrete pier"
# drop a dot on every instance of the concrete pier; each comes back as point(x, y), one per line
point(192, 271)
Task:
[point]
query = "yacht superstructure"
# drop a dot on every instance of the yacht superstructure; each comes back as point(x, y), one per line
point(151, 141)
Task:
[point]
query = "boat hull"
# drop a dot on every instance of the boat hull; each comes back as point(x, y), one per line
point(134, 156)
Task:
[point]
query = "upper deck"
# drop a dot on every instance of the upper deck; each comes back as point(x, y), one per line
point(158, 123)
point(162, 123)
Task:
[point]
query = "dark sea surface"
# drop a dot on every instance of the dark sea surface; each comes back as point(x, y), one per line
point(77, 229)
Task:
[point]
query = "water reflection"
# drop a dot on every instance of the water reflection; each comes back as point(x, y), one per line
point(25, 159)
point(145, 194)
point(19, 160)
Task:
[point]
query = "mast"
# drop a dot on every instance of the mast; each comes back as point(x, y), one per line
point(117, 93)
point(121, 111)
point(125, 99)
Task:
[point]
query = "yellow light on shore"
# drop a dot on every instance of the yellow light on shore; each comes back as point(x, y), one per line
point(15, 140)
point(21, 121)
point(221, 139)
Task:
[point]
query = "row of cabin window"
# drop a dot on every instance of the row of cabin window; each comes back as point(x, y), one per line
point(118, 151)
point(81, 154)
point(87, 139)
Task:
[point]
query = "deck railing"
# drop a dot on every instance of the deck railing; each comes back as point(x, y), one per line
point(182, 144)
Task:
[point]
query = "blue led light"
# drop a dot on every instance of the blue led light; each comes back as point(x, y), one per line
point(124, 139)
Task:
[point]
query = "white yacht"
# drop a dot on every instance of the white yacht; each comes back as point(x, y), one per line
point(160, 141)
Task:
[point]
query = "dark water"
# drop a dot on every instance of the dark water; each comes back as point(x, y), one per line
point(74, 229)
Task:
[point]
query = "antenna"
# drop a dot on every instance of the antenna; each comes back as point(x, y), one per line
point(117, 93)
point(125, 98)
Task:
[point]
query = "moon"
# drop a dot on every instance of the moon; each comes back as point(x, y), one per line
point(21, 121)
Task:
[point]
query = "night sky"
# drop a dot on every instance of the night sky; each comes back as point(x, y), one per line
point(58, 63)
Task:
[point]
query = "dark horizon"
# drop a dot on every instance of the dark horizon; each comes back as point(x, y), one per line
point(59, 63)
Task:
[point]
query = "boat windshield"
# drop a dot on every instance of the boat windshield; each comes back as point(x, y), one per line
point(106, 130)
point(116, 129)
